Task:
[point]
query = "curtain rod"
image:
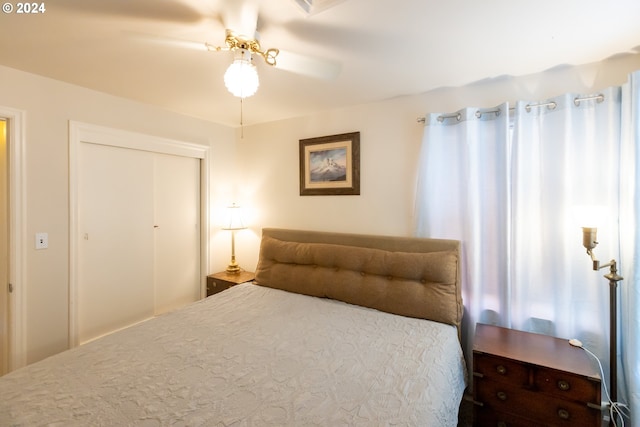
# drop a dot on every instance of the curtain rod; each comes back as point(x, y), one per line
point(458, 116)
point(551, 105)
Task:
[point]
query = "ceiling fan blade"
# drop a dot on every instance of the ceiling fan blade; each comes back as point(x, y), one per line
point(171, 11)
point(308, 66)
point(241, 17)
point(171, 42)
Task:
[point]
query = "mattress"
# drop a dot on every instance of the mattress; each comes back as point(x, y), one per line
point(249, 356)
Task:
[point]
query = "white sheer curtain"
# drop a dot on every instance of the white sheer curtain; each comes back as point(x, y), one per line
point(566, 154)
point(630, 243)
point(463, 195)
point(509, 195)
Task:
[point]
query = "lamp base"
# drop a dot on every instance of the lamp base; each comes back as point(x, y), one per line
point(233, 268)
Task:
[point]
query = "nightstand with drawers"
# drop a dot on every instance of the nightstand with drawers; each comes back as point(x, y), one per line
point(221, 281)
point(525, 379)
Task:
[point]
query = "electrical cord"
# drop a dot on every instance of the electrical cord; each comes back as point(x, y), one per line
point(616, 409)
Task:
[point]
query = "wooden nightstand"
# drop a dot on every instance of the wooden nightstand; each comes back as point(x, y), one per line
point(525, 379)
point(218, 282)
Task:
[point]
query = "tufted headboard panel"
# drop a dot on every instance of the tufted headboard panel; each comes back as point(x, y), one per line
point(411, 277)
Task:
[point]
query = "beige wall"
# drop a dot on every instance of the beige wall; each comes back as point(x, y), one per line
point(49, 105)
point(390, 143)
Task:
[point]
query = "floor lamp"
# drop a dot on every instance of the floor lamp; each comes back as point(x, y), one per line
point(234, 222)
point(589, 240)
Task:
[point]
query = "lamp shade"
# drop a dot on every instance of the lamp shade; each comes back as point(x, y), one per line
point(241, 78)
point(590, 218)
point(234, 220)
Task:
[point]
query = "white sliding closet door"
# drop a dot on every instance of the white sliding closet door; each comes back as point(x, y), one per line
point(139, 236)
point(176, 231)
point(116, 220)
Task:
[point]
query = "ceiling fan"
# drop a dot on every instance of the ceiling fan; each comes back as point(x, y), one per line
point(240, 18)
point(241, 78)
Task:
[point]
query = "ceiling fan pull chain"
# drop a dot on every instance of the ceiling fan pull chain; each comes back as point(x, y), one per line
point(241, 121)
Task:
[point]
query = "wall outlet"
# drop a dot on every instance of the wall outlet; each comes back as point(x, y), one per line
point(42, 240)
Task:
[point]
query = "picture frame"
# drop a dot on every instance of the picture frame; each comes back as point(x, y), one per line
point(330, 165)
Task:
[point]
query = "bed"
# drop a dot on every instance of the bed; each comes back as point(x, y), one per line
point(338, 329)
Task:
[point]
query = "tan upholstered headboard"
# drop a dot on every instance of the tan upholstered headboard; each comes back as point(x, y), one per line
point(412, 277)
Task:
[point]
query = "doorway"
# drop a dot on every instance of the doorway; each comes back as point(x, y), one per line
point(4, 248)
point(13, 346)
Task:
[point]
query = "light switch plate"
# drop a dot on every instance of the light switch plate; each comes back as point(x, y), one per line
point(42, 240)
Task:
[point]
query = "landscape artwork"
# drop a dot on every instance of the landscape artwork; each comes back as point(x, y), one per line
point(330, 165)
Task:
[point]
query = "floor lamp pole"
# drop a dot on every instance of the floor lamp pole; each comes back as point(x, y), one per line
point(614, 278)
point(613, 346)
point(589, 241)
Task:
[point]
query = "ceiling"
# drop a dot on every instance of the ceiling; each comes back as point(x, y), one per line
point(385, 48)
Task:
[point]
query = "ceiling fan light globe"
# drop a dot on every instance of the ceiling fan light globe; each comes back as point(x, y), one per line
point(241, 78)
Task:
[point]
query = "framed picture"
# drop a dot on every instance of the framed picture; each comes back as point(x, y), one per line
point(330, 165)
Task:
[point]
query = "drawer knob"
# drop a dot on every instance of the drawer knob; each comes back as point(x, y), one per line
point(501, 395)
point(563, 414)
point(501, 369)
point(563, 385)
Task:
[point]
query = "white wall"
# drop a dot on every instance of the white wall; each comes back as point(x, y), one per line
point(49, 106)
point(390, 142)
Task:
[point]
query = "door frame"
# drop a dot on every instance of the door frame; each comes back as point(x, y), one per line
point(80, 133)
point(16, 353)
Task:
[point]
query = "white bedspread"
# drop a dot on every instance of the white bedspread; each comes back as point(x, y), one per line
point(249, 356)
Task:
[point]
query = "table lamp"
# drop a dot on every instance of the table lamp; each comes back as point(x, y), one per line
point(234, 222)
